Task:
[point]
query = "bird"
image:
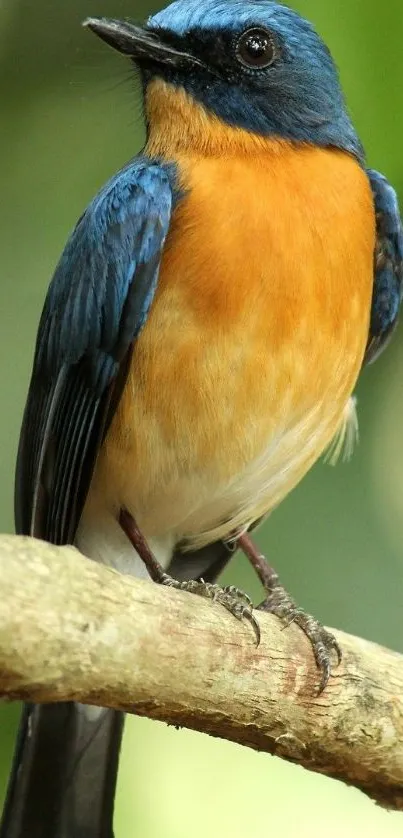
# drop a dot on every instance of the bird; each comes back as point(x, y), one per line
point(199, 345)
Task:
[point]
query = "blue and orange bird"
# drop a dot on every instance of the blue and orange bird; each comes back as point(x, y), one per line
point(199, 344)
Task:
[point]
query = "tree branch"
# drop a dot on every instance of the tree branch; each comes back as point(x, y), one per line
point(72, 629)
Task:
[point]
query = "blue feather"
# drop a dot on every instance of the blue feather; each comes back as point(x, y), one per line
point(97, 303)
point(387, 293)
point(123, 228)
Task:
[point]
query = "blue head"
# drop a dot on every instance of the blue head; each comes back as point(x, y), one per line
point(254, 64)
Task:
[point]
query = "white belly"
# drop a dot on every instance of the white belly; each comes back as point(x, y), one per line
point(195, 514)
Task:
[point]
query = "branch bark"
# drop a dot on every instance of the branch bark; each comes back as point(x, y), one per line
point(74, 630)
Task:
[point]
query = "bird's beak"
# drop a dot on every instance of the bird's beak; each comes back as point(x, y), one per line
point(142, 45)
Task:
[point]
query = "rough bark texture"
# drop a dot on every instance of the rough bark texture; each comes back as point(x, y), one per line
point(72, 629)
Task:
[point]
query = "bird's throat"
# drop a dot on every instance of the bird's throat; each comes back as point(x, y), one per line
point(178, 123)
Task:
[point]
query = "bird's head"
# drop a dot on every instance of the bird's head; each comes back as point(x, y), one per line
point(253, 65)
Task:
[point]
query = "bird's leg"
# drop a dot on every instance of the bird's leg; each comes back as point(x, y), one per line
point(231, 598)
point(280, 603)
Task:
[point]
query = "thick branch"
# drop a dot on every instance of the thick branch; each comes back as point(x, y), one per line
point(72, 629)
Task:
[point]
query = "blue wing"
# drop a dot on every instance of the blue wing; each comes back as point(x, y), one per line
point(97, 302)
point(387, 293)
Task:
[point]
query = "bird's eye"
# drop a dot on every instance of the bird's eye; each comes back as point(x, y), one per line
point(255, 48)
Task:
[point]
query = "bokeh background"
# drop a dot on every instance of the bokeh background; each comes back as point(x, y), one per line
point(70, 116)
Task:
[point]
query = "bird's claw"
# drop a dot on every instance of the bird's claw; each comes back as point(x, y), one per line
point(231, 598)
point(323, 643)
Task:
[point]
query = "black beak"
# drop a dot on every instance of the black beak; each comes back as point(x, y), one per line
point(142, 45)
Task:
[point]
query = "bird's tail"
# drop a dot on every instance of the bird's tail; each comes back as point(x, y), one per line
point(63, 779)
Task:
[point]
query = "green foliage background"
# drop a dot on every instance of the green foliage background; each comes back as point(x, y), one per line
point(70, 117)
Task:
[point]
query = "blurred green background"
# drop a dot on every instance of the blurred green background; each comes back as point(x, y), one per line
point(70, 117)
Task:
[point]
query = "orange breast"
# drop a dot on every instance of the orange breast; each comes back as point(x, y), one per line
point(253, 344)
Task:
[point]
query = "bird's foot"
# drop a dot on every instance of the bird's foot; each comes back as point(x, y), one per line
point(324, 645)
point(232, 599)
point(279, 602)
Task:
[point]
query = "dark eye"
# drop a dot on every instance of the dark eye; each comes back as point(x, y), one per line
point(255, 48)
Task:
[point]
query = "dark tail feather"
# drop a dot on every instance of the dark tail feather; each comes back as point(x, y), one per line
point(63, 778)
